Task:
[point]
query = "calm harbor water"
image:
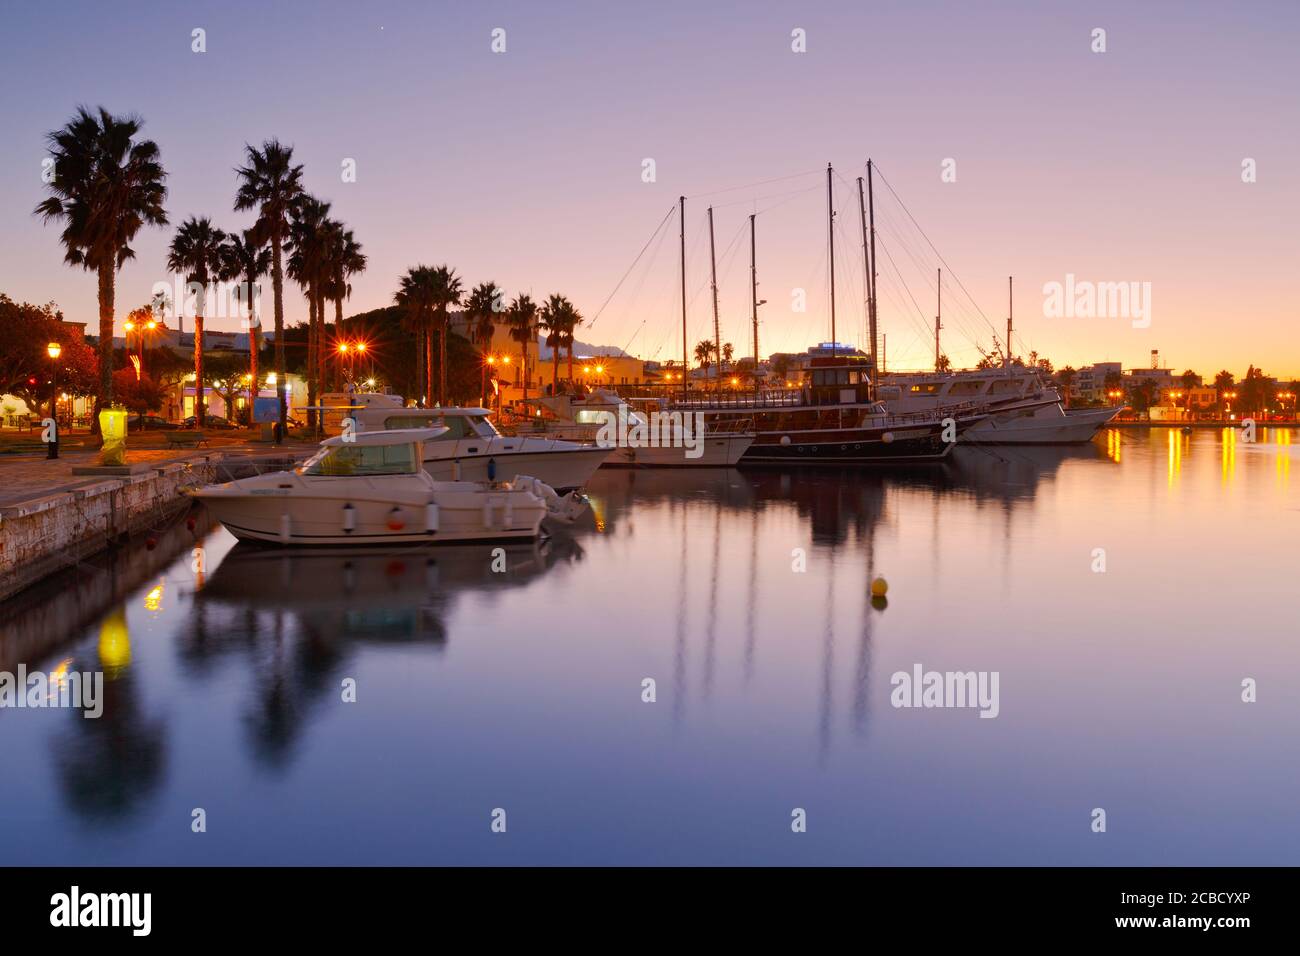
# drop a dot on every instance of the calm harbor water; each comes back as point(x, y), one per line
point(522, 690)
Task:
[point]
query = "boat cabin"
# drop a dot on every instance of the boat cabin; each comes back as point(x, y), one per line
point(838, 380)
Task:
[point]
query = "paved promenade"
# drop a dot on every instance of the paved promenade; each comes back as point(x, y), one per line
point(32, 475)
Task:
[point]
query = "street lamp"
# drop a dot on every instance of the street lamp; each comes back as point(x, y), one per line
point(53, 350)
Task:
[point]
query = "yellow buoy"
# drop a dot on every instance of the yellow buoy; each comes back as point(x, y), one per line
point(879, 587)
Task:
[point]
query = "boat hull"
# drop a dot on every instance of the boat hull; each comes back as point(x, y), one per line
point(564, 468)
point(723, 451)
point(903, 445)
point(325, 519)
point(1049, 426)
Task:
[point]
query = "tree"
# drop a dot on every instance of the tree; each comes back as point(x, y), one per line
point(343, 259)
point(481, 310)
point(196, 251)
point(107, 184)
point(140, 394)
point(1225, 381)
point(944, 364)
point(26, 369)
point(416, 293)
point(305, 242)
point(245, 260)
point(1256, 391)
point(226, 377)
point(1065, 378)
point(1190, 380)
point(271, 184)
point(560, 319)
point(446, 291)
point(704, 352)
point(522, 319)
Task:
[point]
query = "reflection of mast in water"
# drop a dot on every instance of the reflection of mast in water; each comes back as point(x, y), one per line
point(862, 676)
point(711, 632)
point(828, 664)
point(679, 655)
point(753, 593)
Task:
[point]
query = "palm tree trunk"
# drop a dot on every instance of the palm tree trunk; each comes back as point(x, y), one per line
point(313, 360)
point(199, 416)
point(442, 358)
point(428, 360)
point(570, 349)
point(555, 369)
point(323, 355)
point(107, 281)
point(277, 290)
point(523, 366)
point(338, 317)
point(254, 342)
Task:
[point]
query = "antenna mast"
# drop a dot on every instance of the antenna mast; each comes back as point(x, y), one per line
point(830, 231)
point(713, 270)
point(681, 215)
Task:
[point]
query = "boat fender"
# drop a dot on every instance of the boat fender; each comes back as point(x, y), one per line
point(431, 517)
point(492, 469)
point(887, 437)
point(785, 439)
point(396, 520)
point(349, 518)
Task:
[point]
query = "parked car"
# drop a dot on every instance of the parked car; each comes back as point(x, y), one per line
point(209, 421)
point(135, 423)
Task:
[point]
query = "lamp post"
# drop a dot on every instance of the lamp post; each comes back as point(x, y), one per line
point(54, 350)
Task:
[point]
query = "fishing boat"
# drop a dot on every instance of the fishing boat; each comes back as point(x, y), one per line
point(642, 432)
point(469, 448)
point(370, 488)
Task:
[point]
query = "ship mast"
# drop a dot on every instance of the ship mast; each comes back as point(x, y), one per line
point(876, 370)
point(681, 215)
point(938, 316)
point(871, 294)
point(753, 288)
point(830, 231)
point(1006, 358)
point(713, 271)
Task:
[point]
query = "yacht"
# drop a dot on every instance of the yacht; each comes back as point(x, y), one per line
point(369, 488)
point(1021, 408)
point(470, 447)
point(646, 434)
point(831, 419)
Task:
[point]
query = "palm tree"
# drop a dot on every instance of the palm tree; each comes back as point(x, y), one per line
point(704, 356)
point(244, 259)
point(271, 184)
point(308, 225)
point(481, 311)
point(343, 259)
point(196, 250)
point(446, 291)
point(416, 294)
point(522, 319)
point(560, 319)
point(106, 185)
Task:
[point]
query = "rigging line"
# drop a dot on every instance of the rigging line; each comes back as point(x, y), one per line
point(761, 182)
point(903, 281)
point(957, 278)
point(757, 199)
point(667, 216)
point(645, 274)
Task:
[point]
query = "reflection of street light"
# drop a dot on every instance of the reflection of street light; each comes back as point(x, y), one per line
point(54, 350)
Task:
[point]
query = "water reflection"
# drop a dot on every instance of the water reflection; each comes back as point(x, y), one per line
point(108, 767)
point(296, 619)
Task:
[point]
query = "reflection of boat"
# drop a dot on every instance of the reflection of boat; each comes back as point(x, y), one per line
point(645, 436)
point(369, 488)
point(471, 449)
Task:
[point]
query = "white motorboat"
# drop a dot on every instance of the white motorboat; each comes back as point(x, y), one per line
point(648, 435)
point(470, 447)
point(1021, 408)
point(369, 488)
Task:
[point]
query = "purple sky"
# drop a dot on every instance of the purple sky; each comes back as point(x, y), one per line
point(525, 167)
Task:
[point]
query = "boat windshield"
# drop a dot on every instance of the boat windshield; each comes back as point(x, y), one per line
point(458, 426)
point(360, 461)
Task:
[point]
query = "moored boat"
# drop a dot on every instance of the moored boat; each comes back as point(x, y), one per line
point(370, 488)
